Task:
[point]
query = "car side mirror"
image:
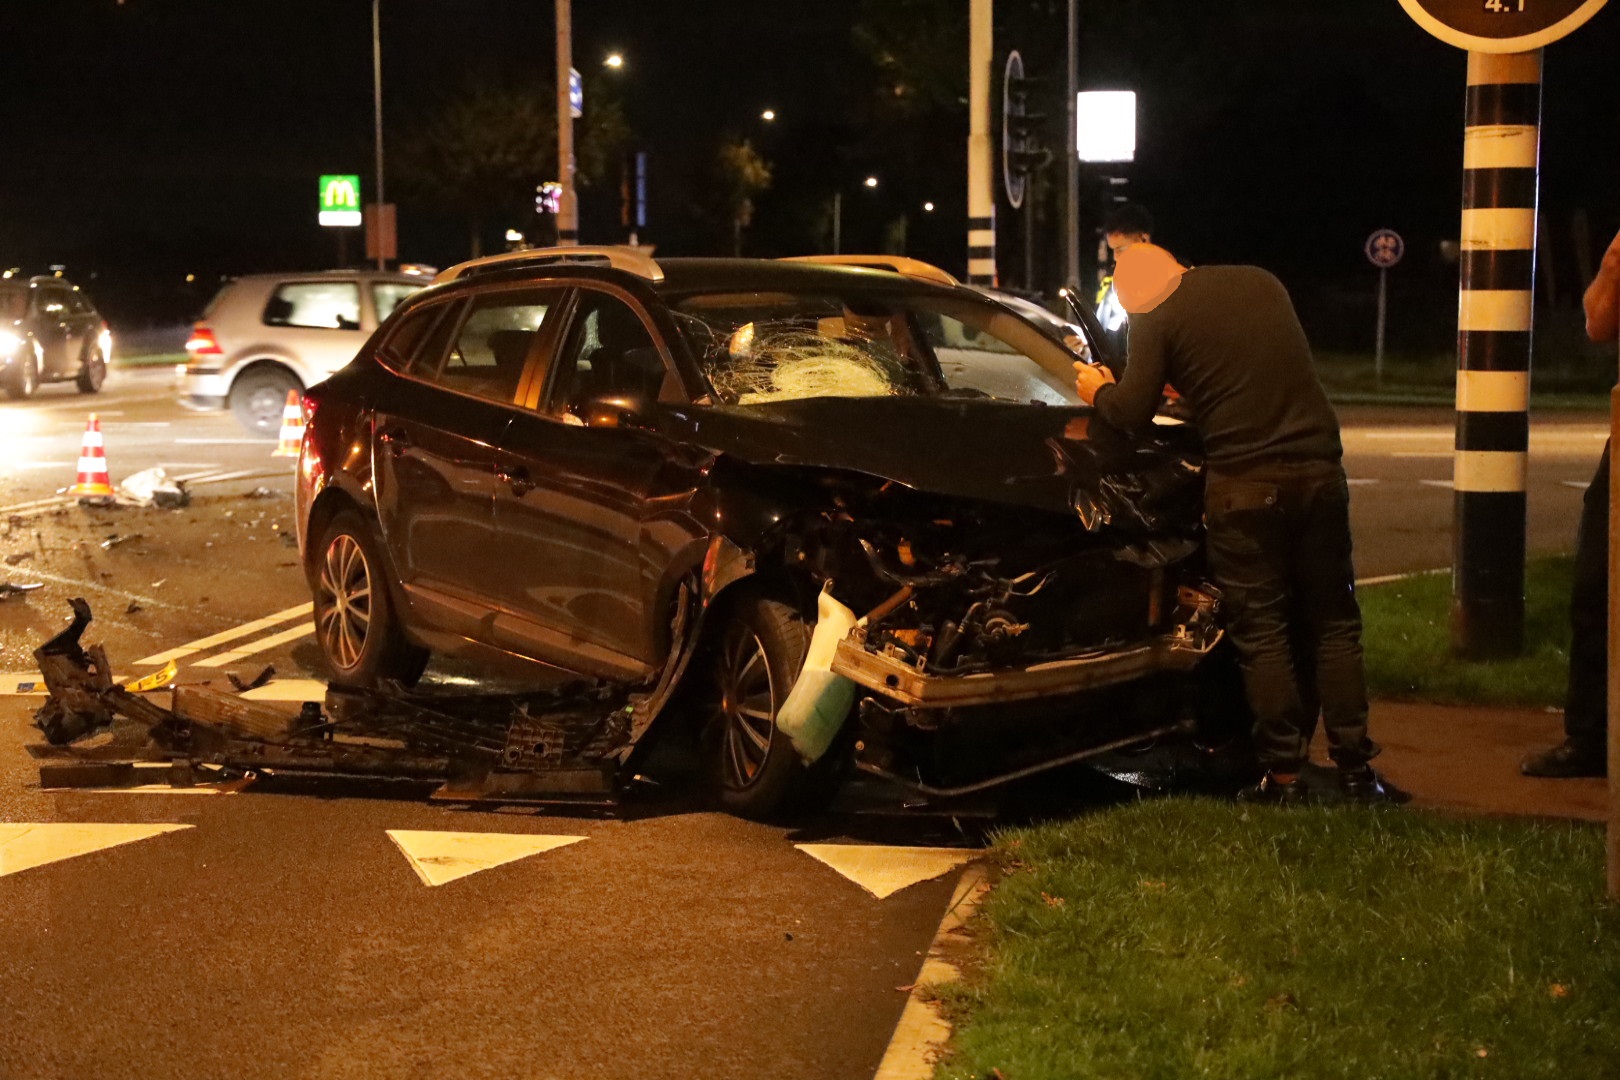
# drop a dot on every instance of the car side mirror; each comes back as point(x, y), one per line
point(613, 410)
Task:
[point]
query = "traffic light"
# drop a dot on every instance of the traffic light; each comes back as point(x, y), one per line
point(1022, 151)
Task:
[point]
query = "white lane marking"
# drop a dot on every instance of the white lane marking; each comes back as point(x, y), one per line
point(1436, 483)
point(96, 586)
point(442, 857)
point(1423, 454)
point(884, 871)
point(23, 846)
point(923, 1030)
point(1580, 484)
point(202, 644)
point(1361, 482)
point(1385, 579)
point(149, 423)
point(243, 652)
point(222, 442)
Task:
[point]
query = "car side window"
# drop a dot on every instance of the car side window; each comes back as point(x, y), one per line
point(386, 295)
point(494, 343)
point(77, 303)
point(418, 340)
point(609, 352)
point(50, 303)
point(323, 305)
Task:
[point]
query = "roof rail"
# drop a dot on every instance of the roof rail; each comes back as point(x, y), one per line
point(894, 264)
point(631, 260)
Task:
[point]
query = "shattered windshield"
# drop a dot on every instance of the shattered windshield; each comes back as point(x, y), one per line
point(759, 347)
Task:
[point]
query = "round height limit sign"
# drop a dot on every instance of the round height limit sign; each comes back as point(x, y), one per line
point(1501, 26)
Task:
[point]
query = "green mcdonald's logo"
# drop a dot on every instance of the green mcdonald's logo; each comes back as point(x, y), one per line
point(340, 193)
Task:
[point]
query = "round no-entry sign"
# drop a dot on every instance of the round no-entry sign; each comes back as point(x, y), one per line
point(1501, 26)
point(1385, 248)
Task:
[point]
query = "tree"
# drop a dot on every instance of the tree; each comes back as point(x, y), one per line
point(742, 174)
point(481, 152)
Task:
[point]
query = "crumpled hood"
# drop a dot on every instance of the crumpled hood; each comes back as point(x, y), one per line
point(1059, 459)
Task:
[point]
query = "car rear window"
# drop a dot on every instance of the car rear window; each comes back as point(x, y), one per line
point(386, 295)
point(324, 305)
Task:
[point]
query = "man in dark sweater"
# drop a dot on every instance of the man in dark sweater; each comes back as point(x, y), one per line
point(1277, 507)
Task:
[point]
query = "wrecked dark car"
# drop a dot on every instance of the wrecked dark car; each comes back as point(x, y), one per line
point(809, 515)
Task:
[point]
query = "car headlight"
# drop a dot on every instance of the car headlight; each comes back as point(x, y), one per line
point(9, 343)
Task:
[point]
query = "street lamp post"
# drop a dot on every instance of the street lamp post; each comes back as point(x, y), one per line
point(568, 205)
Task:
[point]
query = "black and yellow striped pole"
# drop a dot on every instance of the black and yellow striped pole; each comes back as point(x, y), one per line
point(1501, 153)
point(981, 224)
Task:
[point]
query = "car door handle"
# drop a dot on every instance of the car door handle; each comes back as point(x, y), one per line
point(516, 477)
point(398, 440)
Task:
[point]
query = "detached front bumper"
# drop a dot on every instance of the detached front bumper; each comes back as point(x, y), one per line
point(899, 682)
point(1180, 649)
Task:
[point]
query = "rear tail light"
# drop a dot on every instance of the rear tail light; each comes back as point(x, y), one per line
point(202, 342)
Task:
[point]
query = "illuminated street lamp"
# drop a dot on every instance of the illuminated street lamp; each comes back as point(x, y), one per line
point(928, 208)
point(870, 184)
point(871, 181)
point(768, 115)
point(614, 61)
point(1105, 125)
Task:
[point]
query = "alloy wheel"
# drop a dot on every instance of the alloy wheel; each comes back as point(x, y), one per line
point(747, 708)
point(344, 619)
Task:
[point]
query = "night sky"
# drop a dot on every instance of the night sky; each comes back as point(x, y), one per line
point(155, 138)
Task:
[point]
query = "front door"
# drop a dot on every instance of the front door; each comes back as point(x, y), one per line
point(577, 484)
point(53, 329)
point(436, 449)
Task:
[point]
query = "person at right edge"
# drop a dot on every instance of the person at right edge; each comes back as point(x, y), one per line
point(1277, 506)
point(1584, 751)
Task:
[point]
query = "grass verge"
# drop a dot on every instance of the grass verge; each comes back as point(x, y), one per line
point(150, 360)
point(1407, 639)
point(1191, 938)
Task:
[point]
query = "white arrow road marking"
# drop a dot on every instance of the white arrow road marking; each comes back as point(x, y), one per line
point(25, 846)
point(884, 871)
point(441, 857)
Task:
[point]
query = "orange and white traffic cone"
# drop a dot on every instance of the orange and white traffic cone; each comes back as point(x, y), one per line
point(292, 427)
point(93, 483)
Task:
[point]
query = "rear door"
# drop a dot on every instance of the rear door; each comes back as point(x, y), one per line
point(576, 488)
point(318, 322)
point(437, 431)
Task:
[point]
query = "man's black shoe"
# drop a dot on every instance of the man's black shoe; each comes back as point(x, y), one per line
point(1274, 792)
point(1567, 759)
point(1359, 783)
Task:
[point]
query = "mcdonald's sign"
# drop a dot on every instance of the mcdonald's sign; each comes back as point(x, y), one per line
point(340, 201)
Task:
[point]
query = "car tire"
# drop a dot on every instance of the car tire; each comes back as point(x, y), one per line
point(259, 396)
point(752, 768)
point(92, 373)
point(24, 378)
point(356, 625)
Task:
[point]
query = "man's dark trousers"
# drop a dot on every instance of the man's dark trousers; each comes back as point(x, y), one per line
point(1279, 547)
point(1586, 709)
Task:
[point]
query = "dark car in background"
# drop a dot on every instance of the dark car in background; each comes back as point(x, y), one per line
point(664, 476)
point(50, 332)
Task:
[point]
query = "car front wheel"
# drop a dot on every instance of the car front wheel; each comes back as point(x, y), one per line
point(355, 622)
point(92, 373)
point(752, 767)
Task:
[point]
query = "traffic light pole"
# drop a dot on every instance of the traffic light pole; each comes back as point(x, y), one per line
point(981, 225)
point(1501, 159)
point(1071, 161)
point(376, 101)
point(568, 205)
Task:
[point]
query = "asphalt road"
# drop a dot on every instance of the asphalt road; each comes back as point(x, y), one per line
point(285, 933)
